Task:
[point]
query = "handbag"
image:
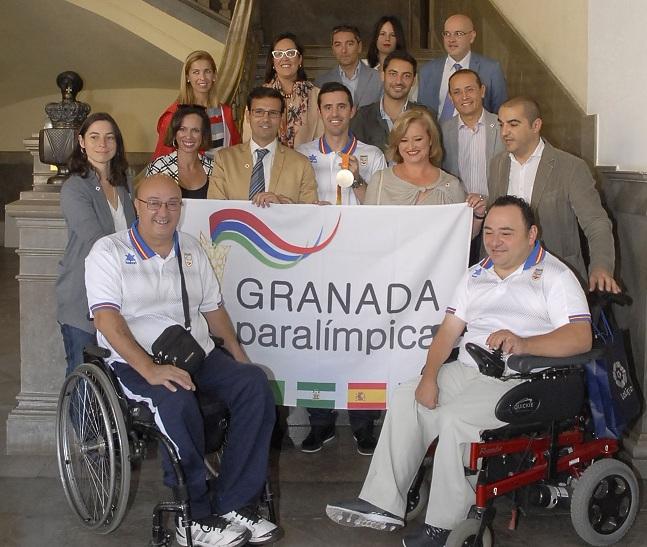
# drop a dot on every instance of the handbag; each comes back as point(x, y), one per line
point(614, 399)
point(176, 345)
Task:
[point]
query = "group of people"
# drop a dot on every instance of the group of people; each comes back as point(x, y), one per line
point(462, 140)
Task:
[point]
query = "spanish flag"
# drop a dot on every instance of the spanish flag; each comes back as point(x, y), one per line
point(367, 396)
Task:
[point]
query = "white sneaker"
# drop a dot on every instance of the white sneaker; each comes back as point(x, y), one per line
point(263, 531)
point(214, 532)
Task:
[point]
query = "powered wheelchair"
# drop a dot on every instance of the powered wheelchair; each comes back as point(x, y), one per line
point(100, 433)
point(545, 455)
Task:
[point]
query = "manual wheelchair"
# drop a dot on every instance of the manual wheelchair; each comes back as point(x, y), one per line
point(545, 455)
point(100, 434)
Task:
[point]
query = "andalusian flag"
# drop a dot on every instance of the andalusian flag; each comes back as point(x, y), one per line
point(313, 394)
point(278, 390)
point(367, 396)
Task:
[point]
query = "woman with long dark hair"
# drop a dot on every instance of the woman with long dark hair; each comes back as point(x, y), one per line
point(95, 201)
point(284, 71)
point(388, 35)
point(188, 133)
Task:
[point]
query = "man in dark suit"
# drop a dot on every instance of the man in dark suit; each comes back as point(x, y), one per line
point(458, 37)
point(470, 140)
point(560, 189)
point(364, 82)
point(262, 169)
point(373, 123)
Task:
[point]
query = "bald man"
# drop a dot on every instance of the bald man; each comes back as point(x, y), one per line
point(458, 36)
point(134, 291)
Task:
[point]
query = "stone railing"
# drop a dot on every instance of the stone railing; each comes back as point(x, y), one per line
point(224, 8)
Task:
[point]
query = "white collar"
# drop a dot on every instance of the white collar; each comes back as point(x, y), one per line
point(539, 150)
point(254, 147)
point(464, 62)
point(481, 121)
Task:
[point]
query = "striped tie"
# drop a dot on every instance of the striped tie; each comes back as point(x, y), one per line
point(257, 183)
point(448, 108)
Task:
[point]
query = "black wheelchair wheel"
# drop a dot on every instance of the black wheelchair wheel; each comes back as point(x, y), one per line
point(92, 449)
point(466, 535)
point(605, 502)
point(418, 495)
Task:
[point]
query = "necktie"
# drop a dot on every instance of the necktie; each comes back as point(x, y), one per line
point(448, 108)
point(257, 182)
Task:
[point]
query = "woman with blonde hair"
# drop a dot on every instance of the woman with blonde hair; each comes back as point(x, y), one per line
point(198, 87)
point(415, 179)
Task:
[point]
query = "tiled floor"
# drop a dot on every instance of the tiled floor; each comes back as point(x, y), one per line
point(33, 510)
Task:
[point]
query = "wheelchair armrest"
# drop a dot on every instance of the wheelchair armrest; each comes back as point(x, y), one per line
point(92, 350)
point(528, 363)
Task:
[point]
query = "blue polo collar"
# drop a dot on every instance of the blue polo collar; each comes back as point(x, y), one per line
point(350, 147)
point(142, 248)
point(535, 257)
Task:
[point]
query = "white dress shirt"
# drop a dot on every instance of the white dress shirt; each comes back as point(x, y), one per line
point(522, 176)
point(472, 164)
point(267, 160)
point(350, 83)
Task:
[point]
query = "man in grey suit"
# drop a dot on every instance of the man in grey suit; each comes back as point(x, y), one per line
point(560, 189)
point(458, 37)
point(470, 140)
point(373, 123)
point(364, 82)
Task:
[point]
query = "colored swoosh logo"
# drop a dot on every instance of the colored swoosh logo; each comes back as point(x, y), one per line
point(260, 241)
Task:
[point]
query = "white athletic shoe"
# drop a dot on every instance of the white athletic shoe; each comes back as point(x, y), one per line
point(214, 532)
point(263, 531)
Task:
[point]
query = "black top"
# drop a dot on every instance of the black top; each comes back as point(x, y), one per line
point(200, 193)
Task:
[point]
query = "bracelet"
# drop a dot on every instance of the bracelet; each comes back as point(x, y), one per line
point(478, 217)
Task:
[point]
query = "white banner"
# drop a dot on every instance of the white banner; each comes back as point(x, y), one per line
point(337, 301)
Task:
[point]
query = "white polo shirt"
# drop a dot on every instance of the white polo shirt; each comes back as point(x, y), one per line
point(326, 164)
point(123, 273)
point(542, 295)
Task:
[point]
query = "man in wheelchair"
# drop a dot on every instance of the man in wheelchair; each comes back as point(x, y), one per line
point(134, 293)
point(521, 300)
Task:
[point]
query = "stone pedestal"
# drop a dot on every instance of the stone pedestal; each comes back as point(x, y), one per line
point(42, 240)
point(626, 197)
point(41, 172)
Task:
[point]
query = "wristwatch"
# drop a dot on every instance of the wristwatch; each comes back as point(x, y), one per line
point(358, 182)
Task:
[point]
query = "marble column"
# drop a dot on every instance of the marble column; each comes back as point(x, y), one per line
point(626, 197)
point(42, 239)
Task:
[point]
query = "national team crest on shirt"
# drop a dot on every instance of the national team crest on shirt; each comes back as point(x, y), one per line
point(312, 158)
point(188, 259)
point(537, 273)
point(477, 272)
point(363, 160)
point(130, 258)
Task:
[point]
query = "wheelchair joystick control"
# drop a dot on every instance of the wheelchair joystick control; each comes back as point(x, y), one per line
point(489, 363)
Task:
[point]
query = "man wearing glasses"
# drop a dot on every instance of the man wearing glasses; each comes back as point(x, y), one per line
point(458, 37)
point(134, 294)
point(363, 82)
point(262, 169)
